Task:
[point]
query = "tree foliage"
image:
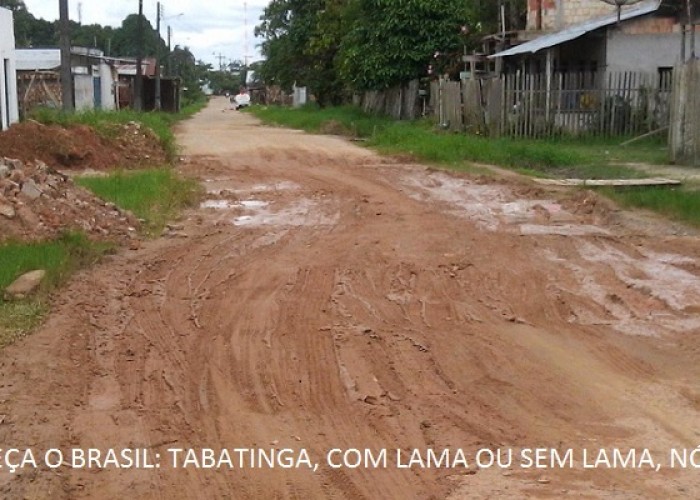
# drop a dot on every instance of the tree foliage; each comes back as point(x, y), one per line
point(393, 41)
point(119, 42)
point(340, 46)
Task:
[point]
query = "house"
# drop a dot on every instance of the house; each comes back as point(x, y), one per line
point(592, 36)
point(39, 81)
point(170, 87)
point(8, 81)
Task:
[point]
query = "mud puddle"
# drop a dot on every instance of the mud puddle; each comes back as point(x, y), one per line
point(228, 186)
point(303, 212)
point(495, 208)
point(654, 295)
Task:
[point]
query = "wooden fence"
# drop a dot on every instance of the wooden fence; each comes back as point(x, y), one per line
point(541, 105)
point(401, 103)
point(684, 136)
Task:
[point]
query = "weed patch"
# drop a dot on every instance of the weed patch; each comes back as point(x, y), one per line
point(676, 202)
point(154, 195)
point(59, 258)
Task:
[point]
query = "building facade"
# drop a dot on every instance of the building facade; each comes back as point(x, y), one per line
point(551, 15)
point(8, 78)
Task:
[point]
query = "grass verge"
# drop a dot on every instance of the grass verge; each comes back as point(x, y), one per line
point(59, 258)
point(563, 157)
point(153, 195)
point(675, 202)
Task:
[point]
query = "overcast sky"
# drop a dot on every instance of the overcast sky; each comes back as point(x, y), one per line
point(207, 27)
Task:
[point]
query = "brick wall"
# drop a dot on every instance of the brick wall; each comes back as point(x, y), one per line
point(557, 14)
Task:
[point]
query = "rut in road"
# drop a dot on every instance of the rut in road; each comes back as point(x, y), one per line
point(324, 297)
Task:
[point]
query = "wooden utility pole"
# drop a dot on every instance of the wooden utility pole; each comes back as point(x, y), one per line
point(138, 83)
point(169, 68)
point(157, 96)
point(66, 73)
point(691, 24)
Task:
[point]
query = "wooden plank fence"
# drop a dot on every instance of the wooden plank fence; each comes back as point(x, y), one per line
point(541, 105)
point(401, 103)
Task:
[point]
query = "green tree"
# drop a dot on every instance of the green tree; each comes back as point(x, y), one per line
point(332, 25)
point(92, 35)
point(125, 39)
point(184, 66)
point(394, 41)
point(287, 27)
point(30, 31)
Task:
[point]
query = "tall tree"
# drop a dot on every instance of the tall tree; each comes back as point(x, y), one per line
point(30, 31)
point(286, 28)
point(394, 41)
point(124, 41)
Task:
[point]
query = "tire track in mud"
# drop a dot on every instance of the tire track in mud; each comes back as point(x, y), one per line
point(364, 305)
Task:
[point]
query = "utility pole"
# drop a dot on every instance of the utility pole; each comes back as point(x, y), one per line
point(169, 69)
point(691, 23)
point(221, 58)
point(245, 33)
point(138, 83)
point(158, 95)
point(66, 73)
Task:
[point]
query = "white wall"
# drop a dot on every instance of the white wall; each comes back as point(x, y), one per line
point(41, 59)
point(637, 52)
point(84, 92)
point(9, 111)
point(108, 88)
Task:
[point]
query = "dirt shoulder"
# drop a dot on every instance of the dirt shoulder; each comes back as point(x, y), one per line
point(328, 298)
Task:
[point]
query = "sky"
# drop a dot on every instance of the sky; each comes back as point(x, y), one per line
point(208, 27)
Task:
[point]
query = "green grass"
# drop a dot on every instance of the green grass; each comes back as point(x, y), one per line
point(589, 158)
point(105, 123)
point(59, 258)
point(676, 202)
point(154, 195)
point(19, 319)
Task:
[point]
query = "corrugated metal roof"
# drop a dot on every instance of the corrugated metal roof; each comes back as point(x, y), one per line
point(578, 30)
point(37, 59)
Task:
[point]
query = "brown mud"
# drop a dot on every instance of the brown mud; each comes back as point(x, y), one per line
point(325, 297)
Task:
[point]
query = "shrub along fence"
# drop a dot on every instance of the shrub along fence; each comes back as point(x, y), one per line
point(542, 105)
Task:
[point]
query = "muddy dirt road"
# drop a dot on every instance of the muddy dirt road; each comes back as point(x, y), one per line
point(324, 298)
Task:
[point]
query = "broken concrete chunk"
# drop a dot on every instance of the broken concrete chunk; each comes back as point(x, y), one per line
point(30, 189)
point(7, 211)
point(25, 285)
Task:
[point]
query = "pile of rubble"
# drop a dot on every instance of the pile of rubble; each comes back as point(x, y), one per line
point(129, 145)
point(138, 145)
point(37, 202)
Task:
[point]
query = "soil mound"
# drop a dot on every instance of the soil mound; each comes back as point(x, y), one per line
point(123, 146)
point(38, 202)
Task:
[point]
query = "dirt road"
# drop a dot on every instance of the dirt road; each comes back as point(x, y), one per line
point(324, 298)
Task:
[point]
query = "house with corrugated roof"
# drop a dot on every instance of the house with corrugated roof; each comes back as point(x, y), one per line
point(590, 35)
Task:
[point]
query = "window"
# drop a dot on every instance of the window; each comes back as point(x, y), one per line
point(665, 77)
